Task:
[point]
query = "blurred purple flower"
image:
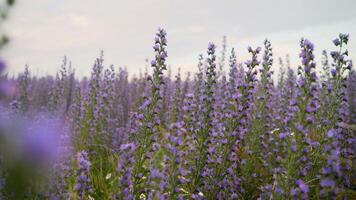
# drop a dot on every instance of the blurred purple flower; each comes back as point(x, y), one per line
point(331, 133)
point(302, 186)
point(327, 183)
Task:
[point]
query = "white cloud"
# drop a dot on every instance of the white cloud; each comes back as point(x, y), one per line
point(43, 31)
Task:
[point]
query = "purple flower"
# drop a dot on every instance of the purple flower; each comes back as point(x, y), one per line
point(211, 48)
point(293, 192)
point(333, 72)
point(258, 49)
point(197, 138)
point(336, 42)
point(344, 37)
point(326, 170)
point(301, 82)
point(83, 182)
point(153, 63)
point(314, 76)
point(327, 183)
point(308, 44)
point(248, 62)
point(334, 54)
point(302, 186)
point(331, 133)
point(128, 146)
point(293, 148)
point(155, 173)
point(283, 135)
point(349, 65)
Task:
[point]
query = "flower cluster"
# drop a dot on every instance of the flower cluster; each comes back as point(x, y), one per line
point(82, 184)
point(205, 135)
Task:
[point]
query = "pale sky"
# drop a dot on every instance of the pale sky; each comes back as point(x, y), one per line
point(43, 31)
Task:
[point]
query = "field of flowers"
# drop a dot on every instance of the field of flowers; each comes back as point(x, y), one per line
point(214, 134)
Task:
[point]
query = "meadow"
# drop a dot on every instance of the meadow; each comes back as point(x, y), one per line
point(214, 134)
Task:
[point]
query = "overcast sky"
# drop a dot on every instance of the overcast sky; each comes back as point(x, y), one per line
point(43, 31)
